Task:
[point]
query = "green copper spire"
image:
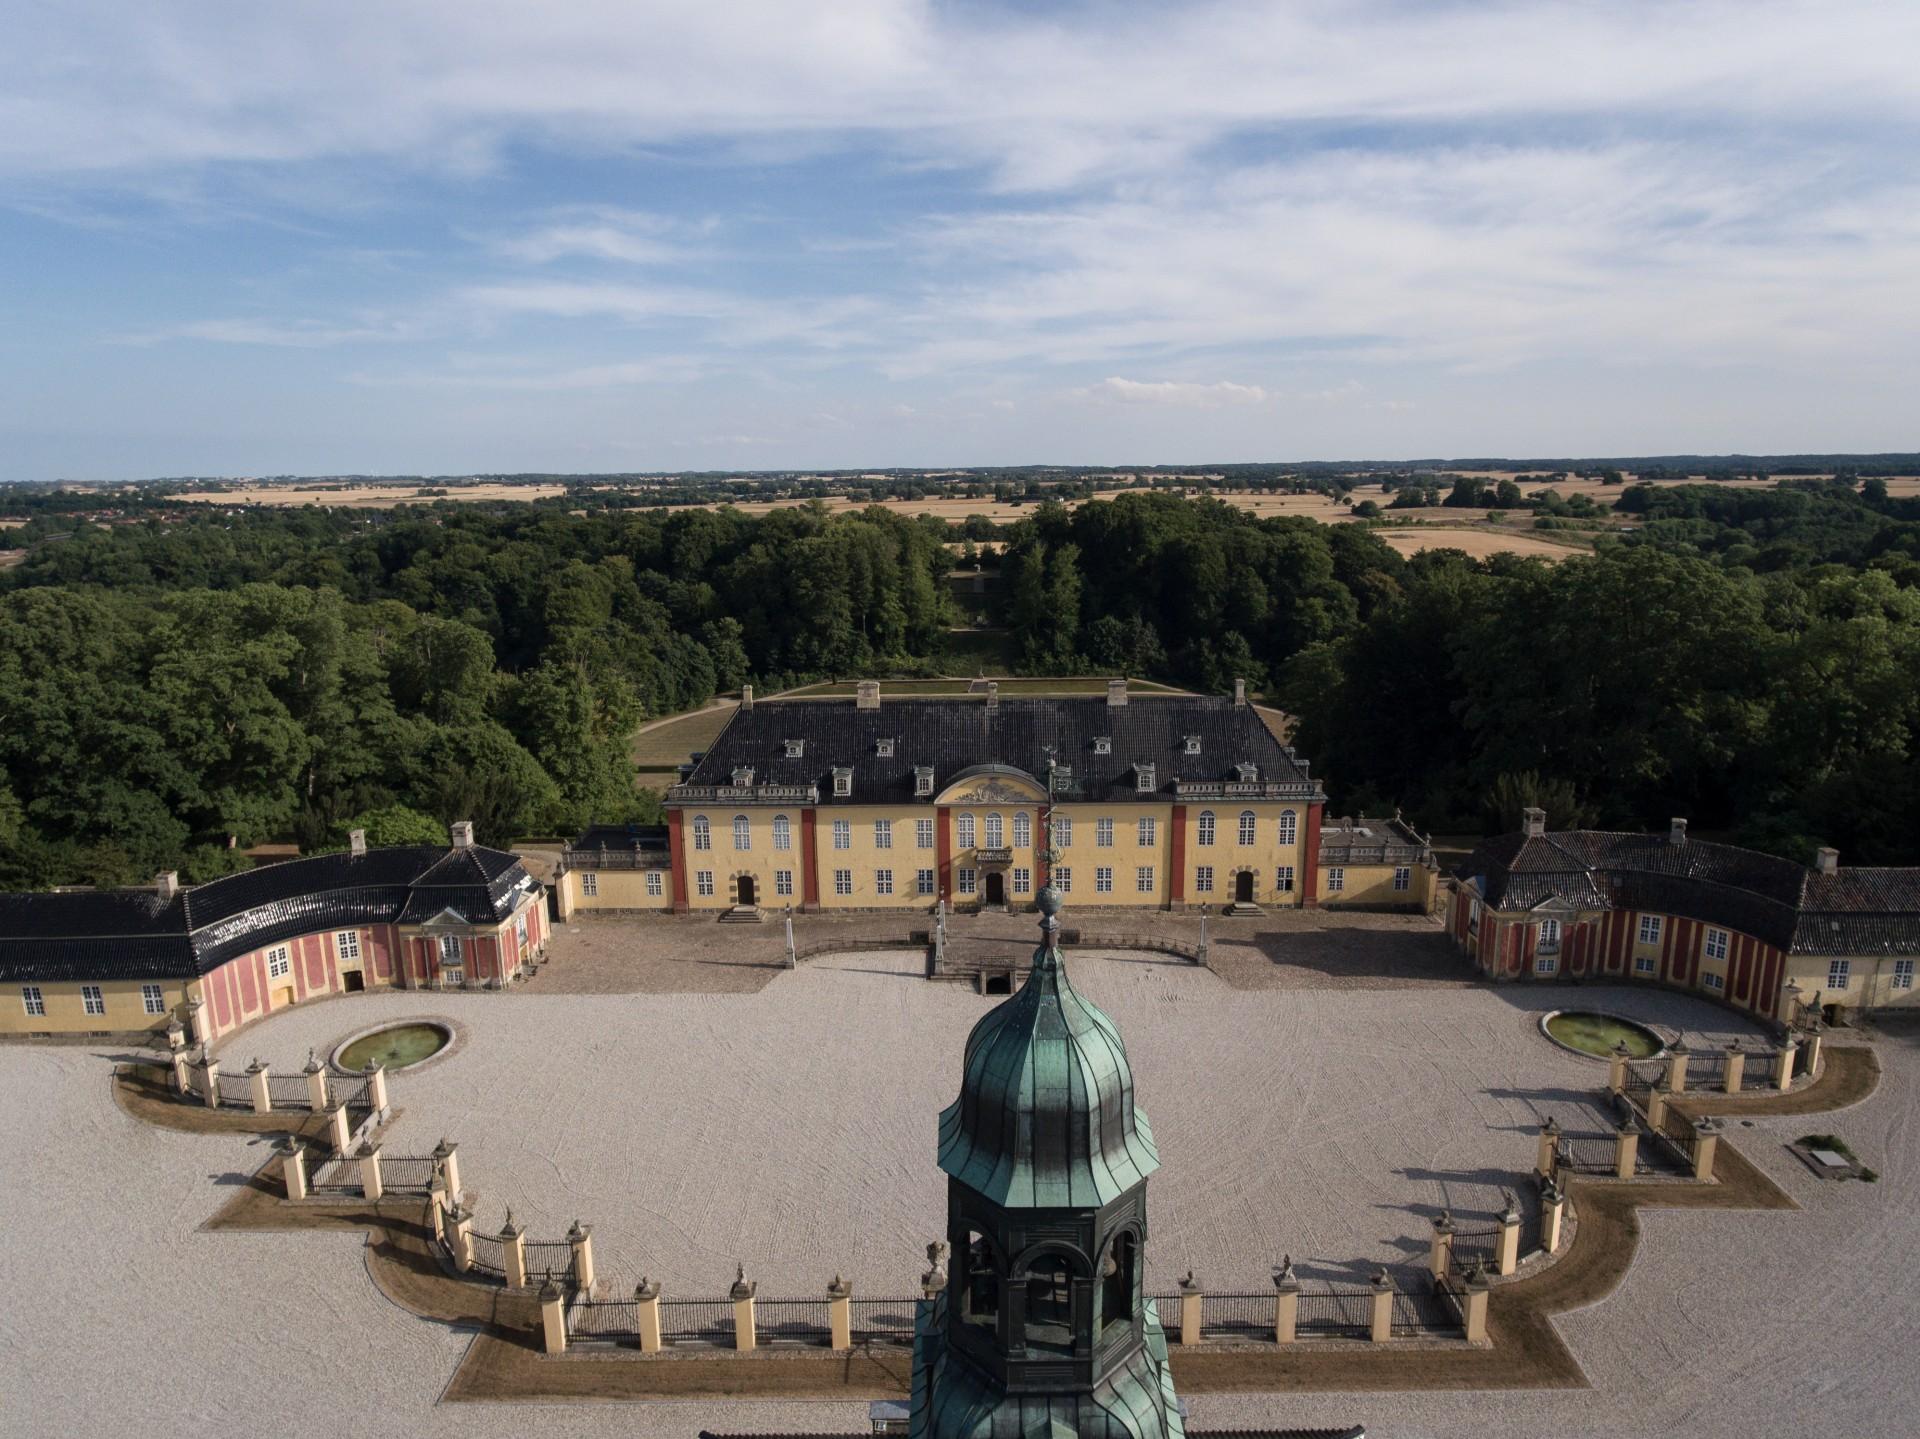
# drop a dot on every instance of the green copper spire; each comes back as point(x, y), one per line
point(1045, 1117)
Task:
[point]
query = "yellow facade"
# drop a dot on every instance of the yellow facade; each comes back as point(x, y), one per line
point(1083, 856)
point(714, 873)
point(861, 870)
point(1212, 869)
point(123, 1003)
point(614, 889)
point(1373, 886)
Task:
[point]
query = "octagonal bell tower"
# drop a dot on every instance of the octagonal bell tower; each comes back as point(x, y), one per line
point(1044, 1326)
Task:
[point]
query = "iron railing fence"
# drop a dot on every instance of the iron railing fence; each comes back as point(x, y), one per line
point(1419, 1314)
point(335, 1176)
point(288, 1091)
point(696, 1321)
point(489, 1254)
point(1237, 1316)
point(1589, 1153)
point(1476, 1243)
point(1167, 1306)
point(608, 1321)
point(884, 1320)
point(408, 1173)
point(1335, 1313)
point(549, 1259)
point(792, 1321)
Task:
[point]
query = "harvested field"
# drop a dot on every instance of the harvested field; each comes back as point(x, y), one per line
point(1479, 542)
point(369, 497)
point(661, 745)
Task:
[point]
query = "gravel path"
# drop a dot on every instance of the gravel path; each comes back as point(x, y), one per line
point(792, 1129)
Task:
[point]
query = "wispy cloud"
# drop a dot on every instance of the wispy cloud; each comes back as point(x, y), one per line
point(1181, 393)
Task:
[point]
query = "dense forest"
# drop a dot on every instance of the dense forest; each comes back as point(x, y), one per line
point(174, 687)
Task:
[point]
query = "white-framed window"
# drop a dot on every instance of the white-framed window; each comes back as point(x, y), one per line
point(1283, 879)
point(1839, 974)
point(1022, 830)
point(1649, 929)
point(33, 999)
point(1192, 745)
point(520, 931)
point(347, 944)
point(923, 881)
point(277, 962)
point(1103, 744)
point(1206, 826)
point(742, 833)
point(703, 883)
point(996, 830)
point(151, 997)
point(782, 832)
point(923, 833)
point(843, 882)
point(968, 879)
point(1903, 974)
point(1549, 936)
point(1145, 833)
point(1143, 781)
point(1143, 879)
point(1063, 830)
point(589, 883)
point(1402, 878)
point(702, 832)
point(842, 783)
point(1103, 879)
point(1063, 879)
point(883, 834)
point(656, 884)
point(783, 883)
point(842, 834)
point(963, 831)
point(1103, 833)
point(1249, 827)
point(1288, 823)
point(92, 1000)
point(1545, 964)
point(796, 748)
point(1336, 880)
point(1203, 879)
point(1716, 944)
point(1023, 881)
point(1715, 982)
point(450, 951)
point(1643, 964)
point(884, 747)
point(923, 779)
point(883, 881)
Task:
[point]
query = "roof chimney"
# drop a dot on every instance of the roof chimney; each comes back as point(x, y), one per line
point(1676, 830)
point(167, 883)
point(463, 834)
point(1116, 693)
point(1533, 821)
point(867, 695)
point(1239, 694)
point(746, 697)
point(1826, 860)
point(357, 842)
point(993, 694)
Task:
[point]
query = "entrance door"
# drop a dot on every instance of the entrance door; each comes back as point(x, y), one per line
point(353, 980)
point(996, 888)
point(1243, 887)
point(746, 891)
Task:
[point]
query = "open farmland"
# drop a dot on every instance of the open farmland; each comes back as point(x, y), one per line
point(1479, 542)
point(369, 497)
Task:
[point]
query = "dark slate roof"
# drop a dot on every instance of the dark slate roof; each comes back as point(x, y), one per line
point(1788, 905)
point(953, 735)
point(133, 934)
point(623, 838)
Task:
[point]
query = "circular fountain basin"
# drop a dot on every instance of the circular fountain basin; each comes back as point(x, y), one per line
point(394, 1046)
point(1589, 1032)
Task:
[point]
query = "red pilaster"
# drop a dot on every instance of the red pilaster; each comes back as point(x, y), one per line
point(943, 849)
point(677, 856)
point(809, 861)
point(1177, 876)
point(1310, 859)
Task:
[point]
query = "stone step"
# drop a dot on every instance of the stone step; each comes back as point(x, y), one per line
point(742, 914)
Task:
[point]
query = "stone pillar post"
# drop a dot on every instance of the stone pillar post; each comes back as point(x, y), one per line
point(513, 1243)
point(1736, 1068)
point(199, 1027)
point(1380, 1330)
point(316, 1073)
point(1553, 1207)
point(1783, 1079)
point(1544, 1152)
point(1815, 1041)
point(646, 1298)
point(371, 1186)
point(1626, 1148)
point(447, 1154)
point(1677, 1069)
point(1617, 1068)
point(293, 1168)
point(257, 1083)
point(176, 1037)
point(337, 1129)
point(1508, 1255)
point(377, 1086)
point(209, 1078)
point(1286, 1303)
point(1656, 1108)
point(840, 1312)
point(1440, 1250)
point(1706, 1141)
point(553, 1319)
point(437, 1212)
point(182, 1073)
point(1190, 1292)
point(1473, 1299)
point(460, 1236)
point(742, 1296)
point(580, 1242)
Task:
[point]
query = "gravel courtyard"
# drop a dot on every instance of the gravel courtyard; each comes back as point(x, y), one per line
point(790, 1128)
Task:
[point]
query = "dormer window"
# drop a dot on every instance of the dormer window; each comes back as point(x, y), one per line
point(1249, 773)
point(842, 782)
point(1103, 744)
point(923, 779)
point(1193, 744)
point(796, 748)
point(1062, 775)
point(1143, 780)
point(743, 776)
point(883, 748)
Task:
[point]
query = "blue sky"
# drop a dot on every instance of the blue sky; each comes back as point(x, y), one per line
point(393, 237)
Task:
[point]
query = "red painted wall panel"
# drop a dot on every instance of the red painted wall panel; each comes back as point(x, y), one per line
point(249, 996)
point(1310, 853)
point(943, 849)
point(677, 855)
point(1178, 879)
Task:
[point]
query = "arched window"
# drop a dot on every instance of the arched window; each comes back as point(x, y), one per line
point(980, 1295)
point(702, 832)
point(1286, 826)
point(782, 832)
point(966, 831)
point(1049, 1325)
point(1022, 830)
point(742, 832)
point(1247, 825)
point(1206, 826)
point(996, 832)
point(1116, 1279)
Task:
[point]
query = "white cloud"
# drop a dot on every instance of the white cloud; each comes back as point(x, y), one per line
point(1184, 394)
